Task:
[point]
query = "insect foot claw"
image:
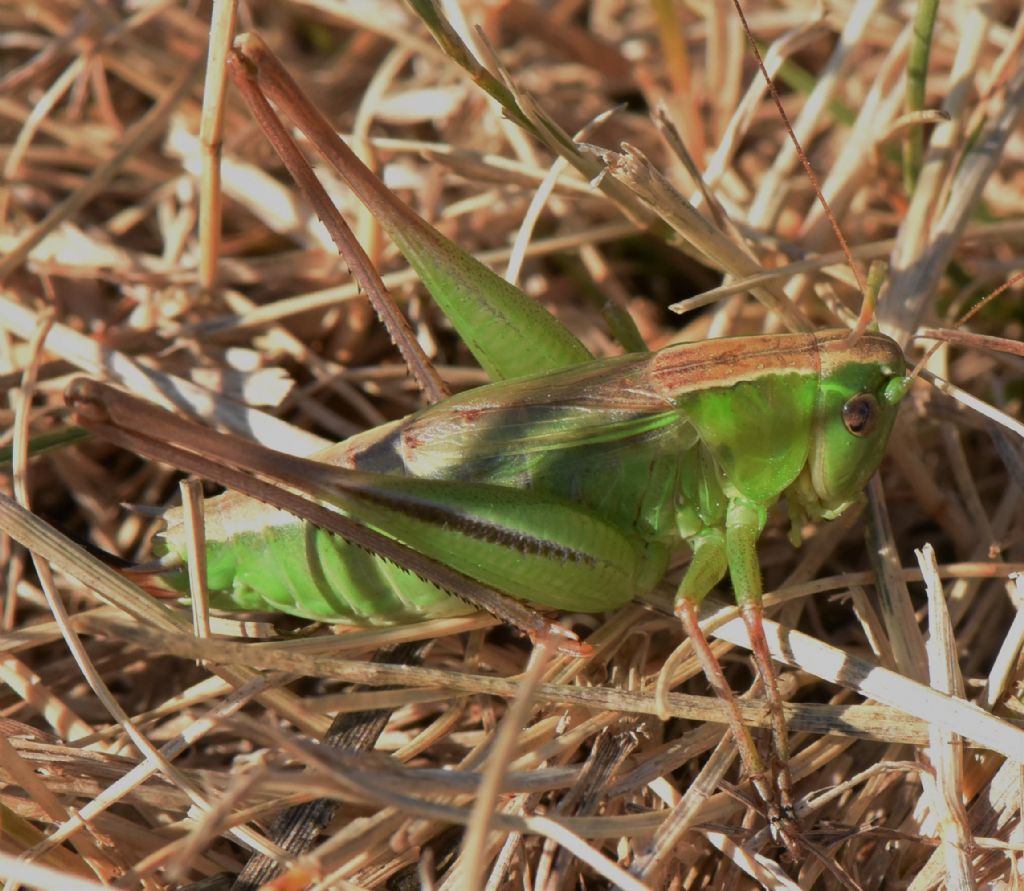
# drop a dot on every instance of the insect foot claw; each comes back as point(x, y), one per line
point(785, 831)
point(561, 639)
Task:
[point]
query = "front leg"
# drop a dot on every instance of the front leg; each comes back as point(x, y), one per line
point(745, 520)
point(734, 548)
point(707, 568)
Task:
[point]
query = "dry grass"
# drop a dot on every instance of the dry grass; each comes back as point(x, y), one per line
point(904, 782)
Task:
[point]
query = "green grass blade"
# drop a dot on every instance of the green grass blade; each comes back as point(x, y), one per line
point(917, 76)
point(45, 442)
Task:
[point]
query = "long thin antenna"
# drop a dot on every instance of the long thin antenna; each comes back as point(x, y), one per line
point(866, 307)
point(963, 320)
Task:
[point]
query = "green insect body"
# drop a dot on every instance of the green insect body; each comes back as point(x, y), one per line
point(572, 489)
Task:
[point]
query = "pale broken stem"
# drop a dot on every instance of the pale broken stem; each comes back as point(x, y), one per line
point(946, 749)
point(211, 131)
point(1003, 666)
point(891, 688)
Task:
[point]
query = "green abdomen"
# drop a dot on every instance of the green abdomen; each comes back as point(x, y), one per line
point(301, 570)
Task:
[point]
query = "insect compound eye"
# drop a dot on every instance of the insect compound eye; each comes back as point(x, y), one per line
point(860, 414)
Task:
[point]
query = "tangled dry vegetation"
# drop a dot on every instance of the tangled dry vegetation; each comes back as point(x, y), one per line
point(905, 775)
